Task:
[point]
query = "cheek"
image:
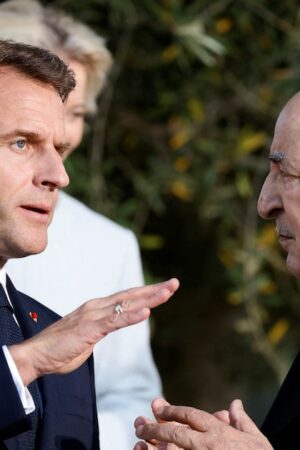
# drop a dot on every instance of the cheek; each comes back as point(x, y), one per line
point(74, 132)
point(13, 186)
point(291, 208)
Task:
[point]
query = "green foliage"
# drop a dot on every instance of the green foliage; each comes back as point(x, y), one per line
point(189, 113)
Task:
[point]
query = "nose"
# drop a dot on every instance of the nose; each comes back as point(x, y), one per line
point(51, 172)
point(269, 204)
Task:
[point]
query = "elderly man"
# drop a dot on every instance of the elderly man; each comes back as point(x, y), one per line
point(233, 429)
point(47, 398)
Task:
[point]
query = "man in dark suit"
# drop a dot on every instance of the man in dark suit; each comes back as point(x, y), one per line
point(47, 398)
point(233, 429)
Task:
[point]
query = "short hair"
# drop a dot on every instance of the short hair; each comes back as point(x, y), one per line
point(30, 22)
point(38, 64)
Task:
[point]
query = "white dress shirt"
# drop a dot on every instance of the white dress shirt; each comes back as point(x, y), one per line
point(89, 256)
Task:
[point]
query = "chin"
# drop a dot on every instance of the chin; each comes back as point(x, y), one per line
point(39, 248)
point(33, 247)
point(293, 265)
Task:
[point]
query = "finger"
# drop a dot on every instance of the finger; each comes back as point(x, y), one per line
point(153, 444)
point(198, 420)
point(171, 433)
point(141, 445)
point(130, 295)
point(143, 421)
point(223, 416)
point(116, 321)
point(133, 312)
point(151, 301)
point(156, 404)
point(240, 420)
point(148, 446)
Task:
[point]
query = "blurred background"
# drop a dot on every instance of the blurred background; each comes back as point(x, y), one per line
point(178, 153)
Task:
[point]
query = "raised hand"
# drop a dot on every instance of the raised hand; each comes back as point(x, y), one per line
point(65, 345)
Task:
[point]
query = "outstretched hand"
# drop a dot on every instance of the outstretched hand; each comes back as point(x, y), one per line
point(180, 427)
point(65, 345)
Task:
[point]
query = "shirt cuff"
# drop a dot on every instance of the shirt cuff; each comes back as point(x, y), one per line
point(24, 394)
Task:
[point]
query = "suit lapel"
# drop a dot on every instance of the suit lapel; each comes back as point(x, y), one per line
point(23, 309)
point(49, 384)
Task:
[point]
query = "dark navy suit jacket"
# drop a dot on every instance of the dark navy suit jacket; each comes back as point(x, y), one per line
point(282, 424)
point(69, 416)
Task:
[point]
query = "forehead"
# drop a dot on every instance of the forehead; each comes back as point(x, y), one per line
point(24, 101)
point(286, 142)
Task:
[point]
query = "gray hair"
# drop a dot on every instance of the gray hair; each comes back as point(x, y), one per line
point(29, 22)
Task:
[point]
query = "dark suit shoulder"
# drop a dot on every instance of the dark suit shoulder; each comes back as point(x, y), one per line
point(282, 423)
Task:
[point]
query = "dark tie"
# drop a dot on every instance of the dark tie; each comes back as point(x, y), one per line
point(10, 333)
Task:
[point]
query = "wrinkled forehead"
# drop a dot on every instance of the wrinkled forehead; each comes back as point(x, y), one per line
point(287, 128)
point(290, 114)
point(31, 104)
point(21, 86)
point(11, 77)
point(285, 147)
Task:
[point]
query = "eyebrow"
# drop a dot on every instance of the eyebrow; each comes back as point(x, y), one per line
point(31, 135)
point(62, 148)
point(35, 137)
point(276, 157)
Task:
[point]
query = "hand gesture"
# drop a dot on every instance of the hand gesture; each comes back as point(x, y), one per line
point(181, 427)
point(65, 345)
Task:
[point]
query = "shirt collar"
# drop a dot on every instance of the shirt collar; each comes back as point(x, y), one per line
point(3, 282)
point(3, 277)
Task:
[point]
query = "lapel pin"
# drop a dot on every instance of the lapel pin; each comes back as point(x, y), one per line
point(33, 316)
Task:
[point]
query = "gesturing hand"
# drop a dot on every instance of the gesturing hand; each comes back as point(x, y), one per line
point(65, 345)
point(181, 427)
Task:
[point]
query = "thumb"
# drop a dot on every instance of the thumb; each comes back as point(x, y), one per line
point(240, 420)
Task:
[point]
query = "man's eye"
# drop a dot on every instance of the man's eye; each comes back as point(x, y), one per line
point(287, 175)
point(20, 144)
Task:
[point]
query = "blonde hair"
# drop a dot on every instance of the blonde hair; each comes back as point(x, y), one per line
point(29, 22)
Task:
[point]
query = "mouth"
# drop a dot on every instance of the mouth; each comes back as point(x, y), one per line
point(284, 233)
point(285, 240)
point(37, 209)
point(37, 212)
